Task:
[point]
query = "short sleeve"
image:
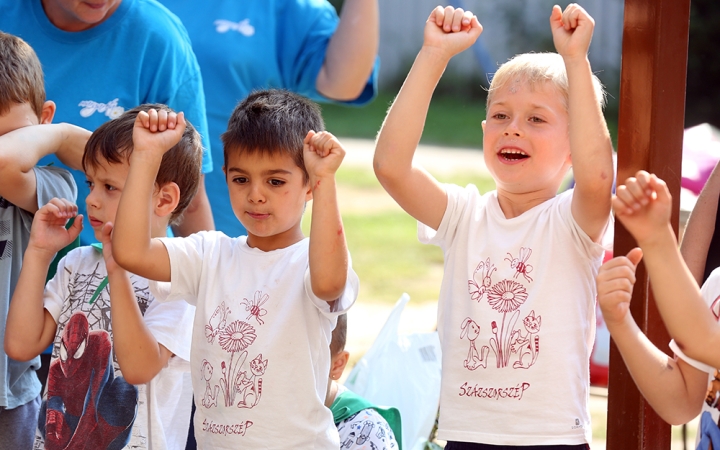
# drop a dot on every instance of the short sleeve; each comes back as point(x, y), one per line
point(711, 294)
point(56, 288)
point(591, 249)
point(54, 182)
point(186, 264)
point(458, 199)
point(342, 304)
point(305, 28)
point(171, 323)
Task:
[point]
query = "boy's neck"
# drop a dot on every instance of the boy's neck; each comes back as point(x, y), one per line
point(514, 205)
point(159, 230)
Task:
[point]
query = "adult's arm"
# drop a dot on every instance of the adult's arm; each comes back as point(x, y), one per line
point(351, 53)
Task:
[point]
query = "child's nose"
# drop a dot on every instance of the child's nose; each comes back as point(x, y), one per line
point(256, 195)
point(513, 129)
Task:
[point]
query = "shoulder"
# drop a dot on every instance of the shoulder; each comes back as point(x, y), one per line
point(711, 286)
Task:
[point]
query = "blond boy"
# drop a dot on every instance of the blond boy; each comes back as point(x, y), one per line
point(516, 313)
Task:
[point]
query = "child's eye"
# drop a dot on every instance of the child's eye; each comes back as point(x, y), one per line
point(239, 180)
point(275, 182)
point(110, 187)
point(536, 119)
point(499, 116)
point(89, 184)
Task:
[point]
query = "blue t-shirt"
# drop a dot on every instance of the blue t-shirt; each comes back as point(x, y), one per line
point(255, 44)
point(140, 54)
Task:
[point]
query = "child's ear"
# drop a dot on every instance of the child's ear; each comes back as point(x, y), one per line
point(48, 112)
point(308, 194)
point(483, 125)
point(166, 199)
point(338, 364)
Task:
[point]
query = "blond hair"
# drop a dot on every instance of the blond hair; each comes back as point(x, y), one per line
point(535, 68)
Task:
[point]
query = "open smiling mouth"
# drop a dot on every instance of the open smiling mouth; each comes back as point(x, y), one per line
point(513, 155)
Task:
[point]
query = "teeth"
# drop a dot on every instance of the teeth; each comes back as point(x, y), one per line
point(514, 152)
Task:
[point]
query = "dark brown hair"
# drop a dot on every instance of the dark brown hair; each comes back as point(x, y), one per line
point(112, 142)
point(21, 75)
point(339, 335)
point(270, 122)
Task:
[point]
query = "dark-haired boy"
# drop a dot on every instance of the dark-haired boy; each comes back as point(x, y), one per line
point(24, 188)
point(113, 380)
point(266, 303)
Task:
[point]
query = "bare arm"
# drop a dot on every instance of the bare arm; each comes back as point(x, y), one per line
point(643, 205)
point(328, 254)
point(135, 249)
point(30, 328)
point(351, 53)
point(198, 215)
point(590, 144)
point(20, 151)
point(701, 227)
point(139, 354)
point(447, 32)
point(673, 388)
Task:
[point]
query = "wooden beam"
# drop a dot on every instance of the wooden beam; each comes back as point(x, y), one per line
point(650, 134)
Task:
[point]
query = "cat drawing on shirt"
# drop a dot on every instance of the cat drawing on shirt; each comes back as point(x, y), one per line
point(528, 345)
point(250, 387)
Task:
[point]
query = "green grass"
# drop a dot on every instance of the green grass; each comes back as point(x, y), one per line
point(451, 120)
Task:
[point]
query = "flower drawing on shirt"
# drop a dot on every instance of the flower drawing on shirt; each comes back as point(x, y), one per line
point(479, 285)
point(254, 306)
point(243, 27)
point(111, 108)
point(234, 338)
point(520, 263)
point(506, 296)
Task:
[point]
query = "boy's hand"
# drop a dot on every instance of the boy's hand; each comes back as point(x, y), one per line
point(615, 282)
point(643, 205)
point(451, 30)
point(572, 30)
point(323, 154)
point(48, 233)
point(106, 239)
point(157, 131)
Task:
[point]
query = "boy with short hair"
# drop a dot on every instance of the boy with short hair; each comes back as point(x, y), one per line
point(674, 386)
point(24, 188)
point(266, 302)
point(516, 312)
point(113, 380)
point(359, 422)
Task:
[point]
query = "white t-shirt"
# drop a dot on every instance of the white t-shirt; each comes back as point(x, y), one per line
point(260, 350)
point(516, 320)
point(86, 397)
point(710, 415)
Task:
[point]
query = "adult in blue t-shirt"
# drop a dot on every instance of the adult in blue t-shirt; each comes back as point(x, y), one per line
point(100, 61)
point(299, 45)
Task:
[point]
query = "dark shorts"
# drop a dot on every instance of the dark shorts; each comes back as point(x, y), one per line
point(451, 445)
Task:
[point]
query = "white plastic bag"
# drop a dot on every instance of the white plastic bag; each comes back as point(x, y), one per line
point(402, 371)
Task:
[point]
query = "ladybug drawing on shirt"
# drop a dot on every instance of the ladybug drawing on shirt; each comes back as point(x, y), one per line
point(520, 263)
point(254, 306)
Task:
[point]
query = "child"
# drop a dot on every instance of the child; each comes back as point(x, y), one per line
point(102, 388)
point(674, 387)
point(24, 188)
point(360, 423)
point(516, 312)
point(266, 302)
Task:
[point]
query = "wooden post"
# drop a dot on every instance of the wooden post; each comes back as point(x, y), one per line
point(650, 134)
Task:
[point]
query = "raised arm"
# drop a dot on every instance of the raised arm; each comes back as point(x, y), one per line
point(701, 227)
point(643, 205)
point(351, 53)
point(447, 32)
point(590, 144)
point(20, 151)
point(139, 354)
point(30, 328)
point(135, 249)
point(328, 248)
point(673, 388)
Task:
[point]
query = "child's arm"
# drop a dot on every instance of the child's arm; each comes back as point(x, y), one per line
point(674, 388)
point(447, 32)
point(154, 134)
point(590, 145)
point(643, 206)
point(701, 226)
point(20, 151)
point(328, 254)
point(139, 354)
point(30, 327)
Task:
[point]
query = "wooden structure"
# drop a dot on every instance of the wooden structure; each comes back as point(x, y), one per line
point(650, 134)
